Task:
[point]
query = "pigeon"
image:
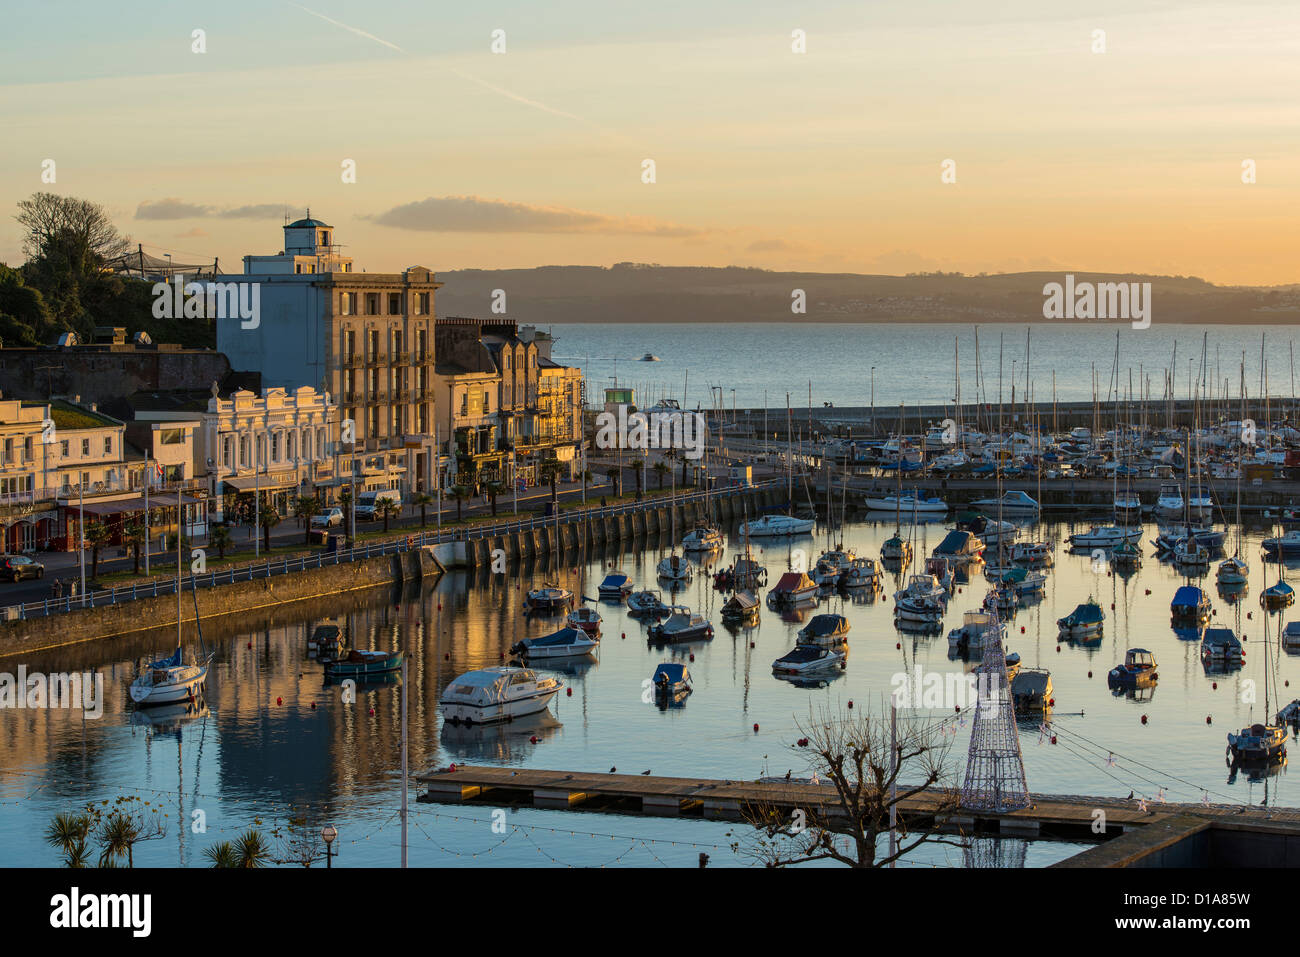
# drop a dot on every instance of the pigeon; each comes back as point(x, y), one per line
point(645, 772)
point(612, 770)
point(1130, 795)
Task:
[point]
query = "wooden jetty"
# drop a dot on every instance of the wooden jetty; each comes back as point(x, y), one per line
point(1050, 816)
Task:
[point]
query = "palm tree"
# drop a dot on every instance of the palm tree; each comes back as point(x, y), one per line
point(387, 508)
point(304, 507)
point(68, 833)
point(117, 837)
point(423, 500)
point(134, 535)
point(586, 477)
point(661, 470)
point(96, 535)
point(268, 517)
point(251, 849)
point(219, 538)
point(222, 855)
point(460, 493)
point(493, 490)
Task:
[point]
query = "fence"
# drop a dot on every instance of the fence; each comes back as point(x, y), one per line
point(156, 587)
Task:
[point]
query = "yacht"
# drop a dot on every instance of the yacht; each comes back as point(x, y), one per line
point(770, 526)
point(897, 549)
point(1285, 546)
point(647, 601)
point(681, 625)
point(1032, 553)
point(1169, 504)
point(169, 680)
point(862, 573)
point(676, 568)
point(1233, 571)
point(1013, 501)
point(497, 694)
point(908, 503)
point(741, 607)
point(1105, 536)
point(702, 538)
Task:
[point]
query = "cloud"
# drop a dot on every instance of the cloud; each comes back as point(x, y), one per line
point(474, 214)
point(195, 233)
point(170, 208)
point(258, 211)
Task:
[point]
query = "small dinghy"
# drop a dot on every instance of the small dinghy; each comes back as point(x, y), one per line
point(671, 681)
point(648, 602)
point(616, 586)
point(588, 619)
point(1137, 671)
point(360, 663)
point(742, 606)
point(825, 631)
point(566, 643)
point(1084, 622)
point(804, 659)
point(549, 599)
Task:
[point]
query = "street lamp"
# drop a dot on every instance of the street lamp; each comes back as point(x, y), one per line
point(328, 833)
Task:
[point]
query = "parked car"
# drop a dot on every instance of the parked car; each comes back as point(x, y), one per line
point(18, 567)
point(329, 519)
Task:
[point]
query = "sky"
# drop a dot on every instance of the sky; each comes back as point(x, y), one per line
point(1127, 160)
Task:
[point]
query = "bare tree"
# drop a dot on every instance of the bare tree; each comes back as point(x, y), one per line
point(67, 223)
point(851, 752)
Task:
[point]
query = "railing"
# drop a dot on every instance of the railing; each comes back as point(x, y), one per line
point(322, 559)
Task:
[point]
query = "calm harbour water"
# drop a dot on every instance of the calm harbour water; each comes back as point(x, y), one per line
point(913, 363)
point(274, 740)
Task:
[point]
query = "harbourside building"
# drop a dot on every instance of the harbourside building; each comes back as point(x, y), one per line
point(366, 338)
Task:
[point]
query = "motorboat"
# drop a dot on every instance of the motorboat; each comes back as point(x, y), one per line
point(326, 639)
point(1259, 742)
point(588, 619)
point(919, 610)
point(742, 606)
point(1031, 690)
point(671, 680)
point(829, 567)
point(1105, 536)
point(1291, 636)
point(647, 602)
point(1013, 666)
point(1126, 555)
point(774, 526)
point(169, 681)
point(361, 663)
point(568, 642)
point(1221, 646)
point(682, 624)
point(825, 631)
point(862, 573)
point(976, 628)
point(793, 588)
point(1199, 503)
point(1128, 506)
point(1033, 553)
point(675, 568)
point(1023, 581)
point(1169, 503)
point(1011, 501)
point(649, 357)
point(923, 586)
point(1085, 621)
point(1192, 555)
point(702, 538)
point(1137, 671)
point(615, 586)
point(808, 658)
point(941, 568)
point(1286, 545)
point(908, 503)
point(959, 545)
point(497, 694)
point(548, 599)
point(1190, 605)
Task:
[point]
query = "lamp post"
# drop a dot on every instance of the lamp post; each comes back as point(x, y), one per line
point(328, 833)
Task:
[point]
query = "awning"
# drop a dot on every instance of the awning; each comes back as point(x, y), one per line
point(129, 506)
point(275, 481)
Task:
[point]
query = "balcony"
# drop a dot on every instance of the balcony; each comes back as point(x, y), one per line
point(378, 397)
point(353, 361)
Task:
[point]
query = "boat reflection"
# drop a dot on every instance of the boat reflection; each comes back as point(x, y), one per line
point(510, 742)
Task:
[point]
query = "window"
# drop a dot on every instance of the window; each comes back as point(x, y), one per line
point(108, 445)
point(165, 437)
point(372, 304)
point(348, 304)
point(9, 450)
point(374, 343)
point(27, 447)
point(63, 448)
point(394, 303)
point(421, 304)
point(420, 342)
point(85, 447)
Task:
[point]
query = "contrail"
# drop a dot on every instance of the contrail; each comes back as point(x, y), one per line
point(500, 91)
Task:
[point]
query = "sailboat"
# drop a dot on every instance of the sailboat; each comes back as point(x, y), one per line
point(169, 680)
point(1233, 571)
point(1260, 742)
point(897, 548)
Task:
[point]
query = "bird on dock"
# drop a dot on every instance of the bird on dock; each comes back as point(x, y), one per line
point(787, 775)
point(645, 772)
point(1130, 795)
point(612, 770)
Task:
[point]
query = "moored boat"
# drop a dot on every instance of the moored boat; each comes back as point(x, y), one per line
point(804, 659)
point(826, 631)
point(681, 625)
point(1085, 621)
point(568, 642)
point(647, 601)
point(359, 663)
point(775, 526)
point(588, 619)
point(1137, 671)
point(614, 587)
point(548, 599)
point(497, 694)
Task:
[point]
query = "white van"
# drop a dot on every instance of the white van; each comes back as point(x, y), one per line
point(367, 502)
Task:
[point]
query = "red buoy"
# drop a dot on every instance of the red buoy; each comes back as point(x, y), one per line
point(533, 739)
point(1215, 686)
point(1089, 674)
point(569, 692)
point(279, 701)
point(692, 656)
point(755, 727)
point(1207, 719)
point(850, 703)
point(1053, 739)
point(1144, 719)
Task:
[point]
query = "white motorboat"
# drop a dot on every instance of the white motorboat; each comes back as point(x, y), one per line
point(682, 625)
point(771, 526)
point(1032, 553)
point(497, 694)
point(808, 658)
point(568, 642)
point(676, 568)
point(702, 538)
point(1012, 501)
point(831, 565)
point(862, 573)
point(909, 503)
point(976, 628)
point(1169, 504)
point(647, 601)
point(923, 586)
point(1105, 536)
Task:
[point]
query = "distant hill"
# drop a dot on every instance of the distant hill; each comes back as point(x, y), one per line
point(633, 292)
